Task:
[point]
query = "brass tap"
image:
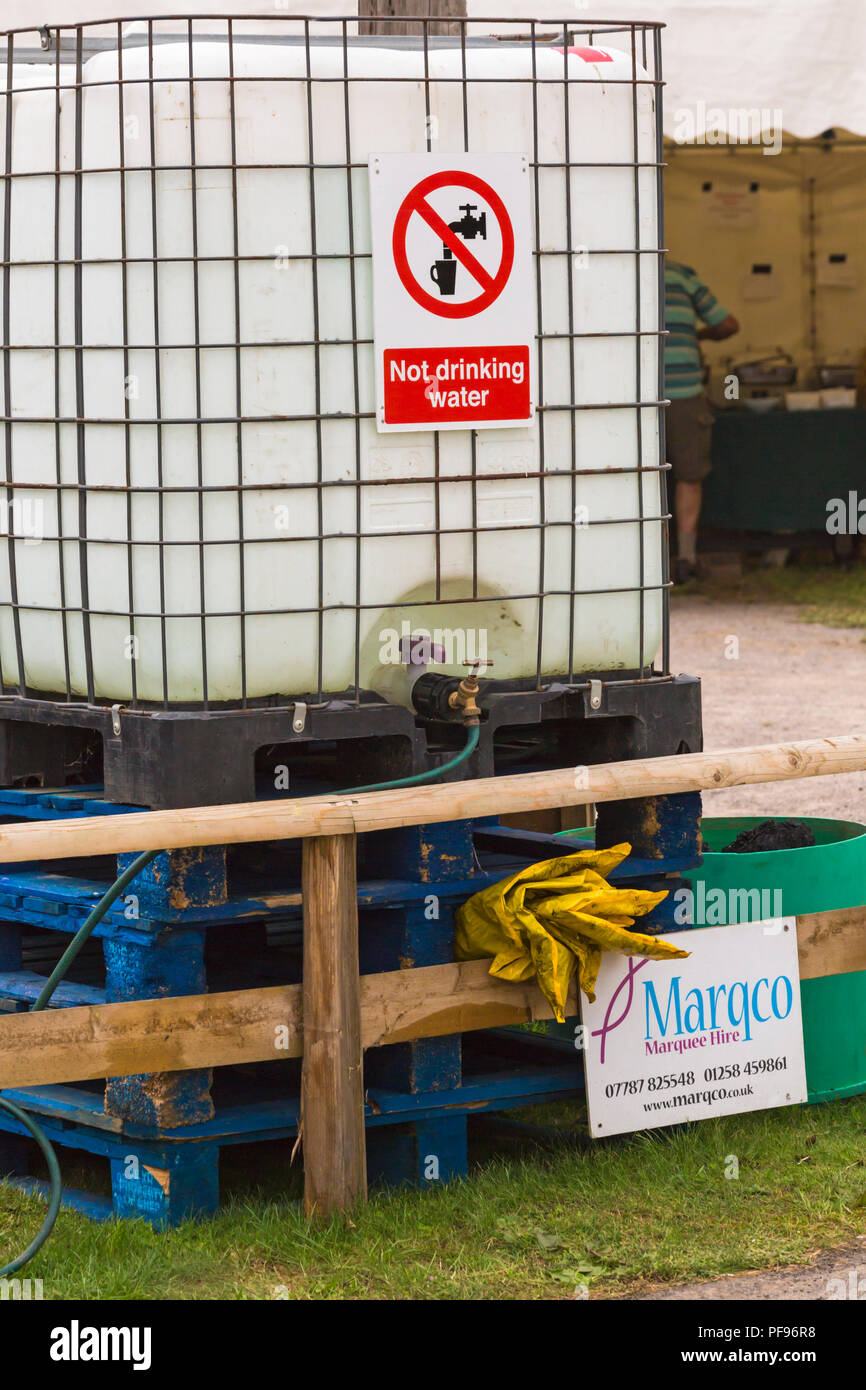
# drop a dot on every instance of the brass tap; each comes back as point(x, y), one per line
point(463, 698)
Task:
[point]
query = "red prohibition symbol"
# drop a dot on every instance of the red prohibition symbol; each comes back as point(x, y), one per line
point(416, 202)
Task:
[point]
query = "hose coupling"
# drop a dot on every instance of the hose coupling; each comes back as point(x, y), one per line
point(463, 700)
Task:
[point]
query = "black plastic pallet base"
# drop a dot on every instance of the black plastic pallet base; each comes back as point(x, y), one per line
point(172, 758)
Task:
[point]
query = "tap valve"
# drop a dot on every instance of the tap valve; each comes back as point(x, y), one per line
point(463, 699)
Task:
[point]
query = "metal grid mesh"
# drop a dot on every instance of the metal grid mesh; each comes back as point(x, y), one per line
point(82, 597)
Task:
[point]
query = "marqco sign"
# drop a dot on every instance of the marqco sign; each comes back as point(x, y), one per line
point(453, 291)
point(715, 1034)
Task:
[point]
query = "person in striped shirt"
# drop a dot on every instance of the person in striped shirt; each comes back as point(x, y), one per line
point(689, 418)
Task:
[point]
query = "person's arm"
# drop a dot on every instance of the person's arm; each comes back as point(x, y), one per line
point(718, 322)
point(728, 326)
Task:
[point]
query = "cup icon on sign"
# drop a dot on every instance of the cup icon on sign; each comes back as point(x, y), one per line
point(444, 274)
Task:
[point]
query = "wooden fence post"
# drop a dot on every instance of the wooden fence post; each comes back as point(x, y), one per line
point(403, 16)
point(332, 1095)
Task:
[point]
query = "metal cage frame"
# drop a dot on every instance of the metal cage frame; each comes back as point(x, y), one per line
point(76, 42)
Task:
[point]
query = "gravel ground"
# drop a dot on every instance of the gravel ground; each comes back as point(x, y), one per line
point(789, 680)
point(831, 1276)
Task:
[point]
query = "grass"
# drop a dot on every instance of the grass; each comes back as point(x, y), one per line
point(531, 1224)
point(825, 593)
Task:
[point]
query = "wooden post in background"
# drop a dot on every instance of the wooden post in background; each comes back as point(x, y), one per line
point(332, 1094)
point(397, 16)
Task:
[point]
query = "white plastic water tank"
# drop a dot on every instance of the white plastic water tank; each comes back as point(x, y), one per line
point(316, 596)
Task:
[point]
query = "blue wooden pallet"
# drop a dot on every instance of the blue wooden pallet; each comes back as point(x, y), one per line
point(162, 1134)
point(61, 804)
point(171, 1175)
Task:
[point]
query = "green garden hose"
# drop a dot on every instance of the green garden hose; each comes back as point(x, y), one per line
point(418, 777)
point(45, 994)
point(56, 1188)
point(75, 945)
point(130, 872)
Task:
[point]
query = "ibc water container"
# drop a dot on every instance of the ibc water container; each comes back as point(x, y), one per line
point(203, 508)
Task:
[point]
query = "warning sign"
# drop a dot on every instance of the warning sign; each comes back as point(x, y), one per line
point(453, 291)
point(484, 287)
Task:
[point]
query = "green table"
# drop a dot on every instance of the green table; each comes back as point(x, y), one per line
point(777, 472)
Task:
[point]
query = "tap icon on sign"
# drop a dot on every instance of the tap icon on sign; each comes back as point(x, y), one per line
point(444, 273)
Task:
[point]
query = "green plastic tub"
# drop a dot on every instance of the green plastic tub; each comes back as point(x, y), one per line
point(829, 874)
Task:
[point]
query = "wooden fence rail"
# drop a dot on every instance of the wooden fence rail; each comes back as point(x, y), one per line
point(266, 1024)
point(336, 1013)
point(248, 822)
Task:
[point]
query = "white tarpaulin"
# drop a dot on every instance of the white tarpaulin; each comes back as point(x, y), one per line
point(806, 58)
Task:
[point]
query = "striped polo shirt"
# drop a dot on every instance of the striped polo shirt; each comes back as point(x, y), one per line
point(687, 299)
